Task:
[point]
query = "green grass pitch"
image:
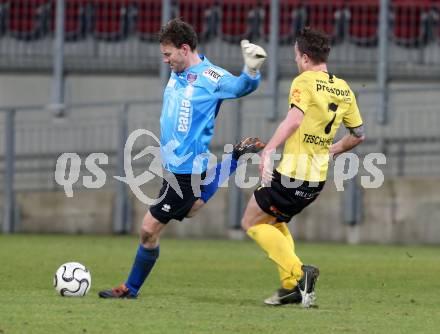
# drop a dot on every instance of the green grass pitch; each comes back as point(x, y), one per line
point(213, 286)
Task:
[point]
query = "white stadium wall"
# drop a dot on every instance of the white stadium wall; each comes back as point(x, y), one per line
point(402, 211)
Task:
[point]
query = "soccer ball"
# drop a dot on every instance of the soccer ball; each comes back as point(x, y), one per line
point(72, 279)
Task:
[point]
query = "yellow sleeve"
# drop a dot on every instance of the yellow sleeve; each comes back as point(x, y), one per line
point(300, 96)
point(352, 117)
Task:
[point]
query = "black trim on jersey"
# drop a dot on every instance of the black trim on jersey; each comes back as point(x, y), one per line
point(294, 105)
point(354, 127)
point(330, 77)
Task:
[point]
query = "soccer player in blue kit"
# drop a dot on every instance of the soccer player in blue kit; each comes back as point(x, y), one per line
point(191, 102)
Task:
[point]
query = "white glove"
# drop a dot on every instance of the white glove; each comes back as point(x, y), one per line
point(254, 57)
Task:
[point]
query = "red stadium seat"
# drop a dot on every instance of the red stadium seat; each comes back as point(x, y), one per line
point(327, 16)
point(410, 21)
point(78, 19)
point(242, 19)
point(30, 20)
point(363, 22)
point(110, 19)
point(148, 18)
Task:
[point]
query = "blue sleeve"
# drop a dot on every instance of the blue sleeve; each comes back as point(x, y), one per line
point(231, 87)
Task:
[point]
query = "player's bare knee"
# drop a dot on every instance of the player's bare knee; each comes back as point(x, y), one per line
point(147, 234)
point(195, 208)
point(246, 223)
point(191, 214)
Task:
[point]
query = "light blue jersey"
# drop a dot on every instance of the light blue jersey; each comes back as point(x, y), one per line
point(191, 103)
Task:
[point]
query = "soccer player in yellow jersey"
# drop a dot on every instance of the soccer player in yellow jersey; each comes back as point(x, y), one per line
point(318, 103)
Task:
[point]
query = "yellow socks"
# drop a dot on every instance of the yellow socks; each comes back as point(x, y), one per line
point(287, 280)
point(282, 227)
point(280, 250)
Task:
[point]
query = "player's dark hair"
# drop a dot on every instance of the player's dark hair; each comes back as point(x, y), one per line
point(178, 32)
point(314, 43)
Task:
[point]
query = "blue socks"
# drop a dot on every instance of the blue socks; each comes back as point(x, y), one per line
point(146, 258)
point(143, 263)
point(222, 171)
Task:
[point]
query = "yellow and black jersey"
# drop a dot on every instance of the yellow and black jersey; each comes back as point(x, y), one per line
point(326, 101)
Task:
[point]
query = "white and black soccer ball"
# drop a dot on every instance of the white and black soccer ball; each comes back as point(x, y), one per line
point(72, 279)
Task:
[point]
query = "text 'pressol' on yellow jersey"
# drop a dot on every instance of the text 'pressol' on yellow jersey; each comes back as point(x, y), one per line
point(326, 101)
